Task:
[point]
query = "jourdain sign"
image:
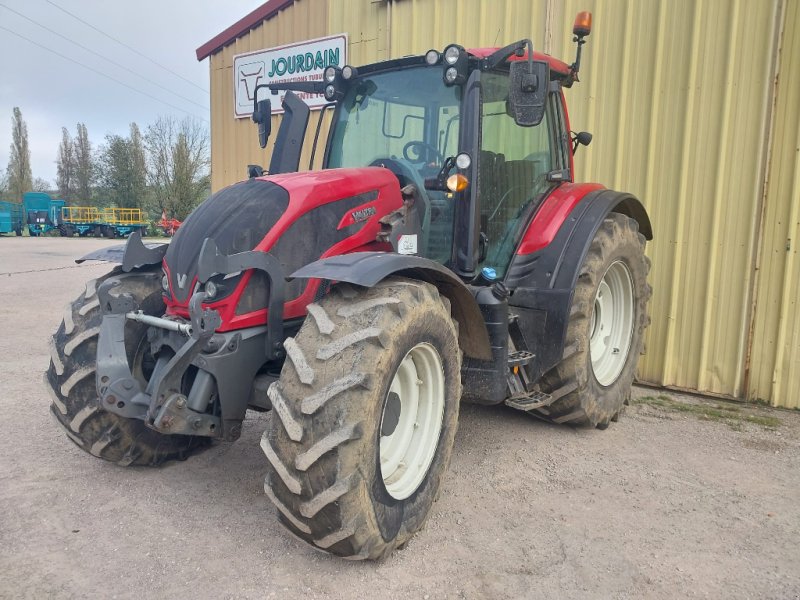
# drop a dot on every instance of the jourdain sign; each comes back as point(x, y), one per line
point(304, 61)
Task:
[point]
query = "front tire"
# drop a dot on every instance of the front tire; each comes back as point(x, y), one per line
point(605, 335)
point(364, 418)
point(71, 379)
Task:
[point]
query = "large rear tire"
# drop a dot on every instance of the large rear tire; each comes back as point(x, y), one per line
point(71, 379)
point(364, 417)
point(605, 334)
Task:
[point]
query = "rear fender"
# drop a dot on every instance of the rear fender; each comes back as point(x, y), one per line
point(543, 280)
point(369, 268)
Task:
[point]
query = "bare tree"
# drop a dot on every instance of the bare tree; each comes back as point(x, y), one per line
point(65, 166)
point(85, 172)
point(19, 174)
point(40, 185)
point(177, 154)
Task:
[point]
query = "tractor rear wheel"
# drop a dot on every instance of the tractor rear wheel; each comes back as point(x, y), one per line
point(71, 379)
point(364, 417)
point(606, 327)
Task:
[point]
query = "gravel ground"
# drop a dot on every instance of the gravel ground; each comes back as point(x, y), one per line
point(677, 499)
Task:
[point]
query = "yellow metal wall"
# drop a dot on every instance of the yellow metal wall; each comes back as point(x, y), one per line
point(677, 94)
point(234, 142)
point(775, 356)
point(679, 97)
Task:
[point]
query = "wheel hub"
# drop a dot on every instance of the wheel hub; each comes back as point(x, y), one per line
point(391, 414)
point(611, 325)
point(411, 423)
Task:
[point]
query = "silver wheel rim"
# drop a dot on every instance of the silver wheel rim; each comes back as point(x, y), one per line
point(408, 441)
point(611, 324)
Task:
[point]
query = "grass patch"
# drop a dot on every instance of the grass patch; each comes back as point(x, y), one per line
point(731, 415)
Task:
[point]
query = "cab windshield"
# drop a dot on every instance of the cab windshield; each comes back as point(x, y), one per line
point(407, 114)
point(407, 121)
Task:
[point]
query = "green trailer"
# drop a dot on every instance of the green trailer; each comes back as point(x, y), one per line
point(11, 220)
point(41, 212)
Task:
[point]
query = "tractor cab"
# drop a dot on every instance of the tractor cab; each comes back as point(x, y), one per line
point(475, 138)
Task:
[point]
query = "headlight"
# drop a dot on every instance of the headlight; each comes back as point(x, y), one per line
point(463, 161)
point(219, 287)
point(348, 72)
point(450, 75)
point(330, 92)
point(451, 55)
point(330, 74)
point(432, 57)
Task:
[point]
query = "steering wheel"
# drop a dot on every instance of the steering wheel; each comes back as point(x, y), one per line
point(424, 152)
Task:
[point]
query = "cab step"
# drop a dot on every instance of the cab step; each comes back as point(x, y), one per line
point(521, 396)
point(519, 358)
point(531, 401)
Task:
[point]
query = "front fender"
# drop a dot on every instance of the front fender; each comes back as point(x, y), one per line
point(369, 268)
point(132, 255)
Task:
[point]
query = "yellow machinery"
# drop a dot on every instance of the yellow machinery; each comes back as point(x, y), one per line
point(108, 222)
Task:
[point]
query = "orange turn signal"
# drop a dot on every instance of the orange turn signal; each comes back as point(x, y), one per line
point(583, 24)
point(457, 183)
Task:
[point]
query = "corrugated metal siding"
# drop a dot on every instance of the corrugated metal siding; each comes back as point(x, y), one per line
point(775, 358)
point(678, 95)
point(419, 25)
point(366, 25)
point(234, 142)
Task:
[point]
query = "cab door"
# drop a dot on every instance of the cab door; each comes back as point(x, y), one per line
point(514, 165)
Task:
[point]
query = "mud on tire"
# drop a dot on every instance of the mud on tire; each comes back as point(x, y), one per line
point(582, 399)
point(324, 440)
point(71, 380)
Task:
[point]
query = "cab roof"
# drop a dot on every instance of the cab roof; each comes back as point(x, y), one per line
point(556, 66)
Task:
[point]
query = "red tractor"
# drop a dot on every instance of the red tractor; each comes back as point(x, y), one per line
point(443, 253)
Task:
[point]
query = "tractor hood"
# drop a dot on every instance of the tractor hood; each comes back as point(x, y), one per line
point(296, 217)
point(237, 218)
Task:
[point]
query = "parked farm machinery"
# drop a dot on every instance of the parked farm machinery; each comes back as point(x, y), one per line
point(42, 213)
point(101, 222)
point(11, 220)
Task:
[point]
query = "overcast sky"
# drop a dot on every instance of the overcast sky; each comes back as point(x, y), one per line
point(55, 92)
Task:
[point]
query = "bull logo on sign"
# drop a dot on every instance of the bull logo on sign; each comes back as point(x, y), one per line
point(249, 76)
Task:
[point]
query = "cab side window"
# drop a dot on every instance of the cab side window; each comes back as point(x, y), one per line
point(514, 164)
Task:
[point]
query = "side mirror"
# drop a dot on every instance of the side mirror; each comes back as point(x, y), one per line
point(582, 138)
point(263, 116)
point(527, 96)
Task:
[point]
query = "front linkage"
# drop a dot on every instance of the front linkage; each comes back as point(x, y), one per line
point(226, 362)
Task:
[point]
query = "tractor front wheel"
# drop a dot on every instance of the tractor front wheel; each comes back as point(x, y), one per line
point(606, 327)
point(364, 417)
point(71, 379)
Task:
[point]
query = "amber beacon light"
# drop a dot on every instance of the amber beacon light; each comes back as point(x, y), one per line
point(583, 24)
